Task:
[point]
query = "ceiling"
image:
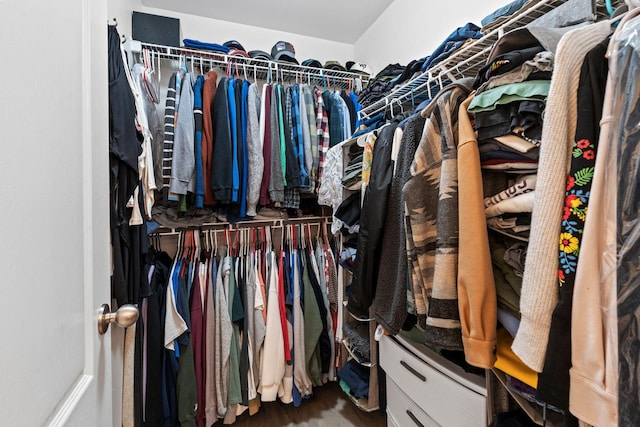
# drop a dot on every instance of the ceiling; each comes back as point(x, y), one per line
point(327, 19)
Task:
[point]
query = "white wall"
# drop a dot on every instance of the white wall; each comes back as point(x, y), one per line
point(216, 31)
point(411, 29)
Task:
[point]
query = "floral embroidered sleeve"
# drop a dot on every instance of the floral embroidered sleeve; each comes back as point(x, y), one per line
point(575, 207)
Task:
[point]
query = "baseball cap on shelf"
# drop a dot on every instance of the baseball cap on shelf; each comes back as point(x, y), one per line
point(314, 63)
point(334, 65)
point(260, 54)
point(284, 51)
point(358, 67)
point(233, 44)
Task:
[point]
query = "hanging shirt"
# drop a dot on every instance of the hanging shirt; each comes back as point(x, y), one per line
point(255, 161)
point(245, 154)
point(273, 352)
point(210, 397)
point(169, 131)
point(265, 123)
point(208, 97)
point(222, 159)
point(223, 333)
point(276, 179)
point(358, 107)
point(306, 138)
point(197, 114)
point(179, 77)
point(304, 175)
point(233, 123)
point(322, 127)
point(336, 117)
point(308, 99)
point(283, 149)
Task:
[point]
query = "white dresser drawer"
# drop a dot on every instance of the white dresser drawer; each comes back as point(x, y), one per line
point(403, 411)
point(441, 397)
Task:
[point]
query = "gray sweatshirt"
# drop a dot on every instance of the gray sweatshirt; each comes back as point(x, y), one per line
point(183, 164)
point(276, 183)
point(254, 147)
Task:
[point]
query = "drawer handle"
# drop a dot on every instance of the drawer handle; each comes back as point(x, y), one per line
point(413, 371)
point(414, 418)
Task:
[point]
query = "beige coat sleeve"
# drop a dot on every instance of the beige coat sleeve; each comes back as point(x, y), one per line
point(477, 300)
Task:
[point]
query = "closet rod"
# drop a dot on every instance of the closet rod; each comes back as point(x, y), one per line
point(464, 62)
point(291, 71)
point(311, 220)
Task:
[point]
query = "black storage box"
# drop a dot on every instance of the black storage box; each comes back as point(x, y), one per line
point(155, 29)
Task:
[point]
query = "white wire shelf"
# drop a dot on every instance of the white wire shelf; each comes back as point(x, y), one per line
point(464, 62)
point(258, 68)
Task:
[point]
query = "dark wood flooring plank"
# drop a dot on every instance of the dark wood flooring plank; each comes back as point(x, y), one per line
point(328, 407)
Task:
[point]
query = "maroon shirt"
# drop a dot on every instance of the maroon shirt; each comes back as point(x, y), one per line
point(266, 150)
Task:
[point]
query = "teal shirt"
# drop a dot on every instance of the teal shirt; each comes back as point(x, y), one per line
point(532, 90)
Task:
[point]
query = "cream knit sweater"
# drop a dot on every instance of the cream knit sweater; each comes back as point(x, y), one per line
point(539, 285)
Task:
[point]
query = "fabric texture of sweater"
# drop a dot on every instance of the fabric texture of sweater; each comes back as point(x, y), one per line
point(301, 379)
point(223, 334)
point(210, 401)
point(476, 287)
point(254, 147)
point(432, 210)
point(183, 164)
point(265, 123)
point(553, 382)
point(539, 285)
point(169, 131)
point(393, 281)
point(221, 167)
point(197, 114)
point(272, 364)
point(276, 180)
point(208, 97)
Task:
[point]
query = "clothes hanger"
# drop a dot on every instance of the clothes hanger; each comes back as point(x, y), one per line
point(179, 246)
point(324, 236)
point(215, 243)
point(254, 236)
point(309, 237)
point(227, 238)
point(198, 246)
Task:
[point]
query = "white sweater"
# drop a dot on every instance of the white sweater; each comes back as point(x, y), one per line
point(272, 363)
point(539, 285)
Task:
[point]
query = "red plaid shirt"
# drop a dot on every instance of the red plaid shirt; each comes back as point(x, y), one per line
point(322, 126)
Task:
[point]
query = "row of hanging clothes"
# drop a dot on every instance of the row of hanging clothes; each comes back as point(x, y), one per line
point(233, 319)
point(509, 207)
point(235, 144)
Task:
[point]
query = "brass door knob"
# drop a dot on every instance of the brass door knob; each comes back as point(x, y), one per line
point(124, 317)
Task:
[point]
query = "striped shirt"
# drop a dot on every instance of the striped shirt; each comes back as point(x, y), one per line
point(169, 129)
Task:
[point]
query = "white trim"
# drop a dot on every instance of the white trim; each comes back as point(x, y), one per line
point(70, 402)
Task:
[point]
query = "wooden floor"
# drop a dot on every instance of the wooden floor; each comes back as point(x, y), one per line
point(328, 407)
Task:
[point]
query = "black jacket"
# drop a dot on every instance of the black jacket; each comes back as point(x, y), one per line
point(372, 219)
point(221, 165)
point(391, 291)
